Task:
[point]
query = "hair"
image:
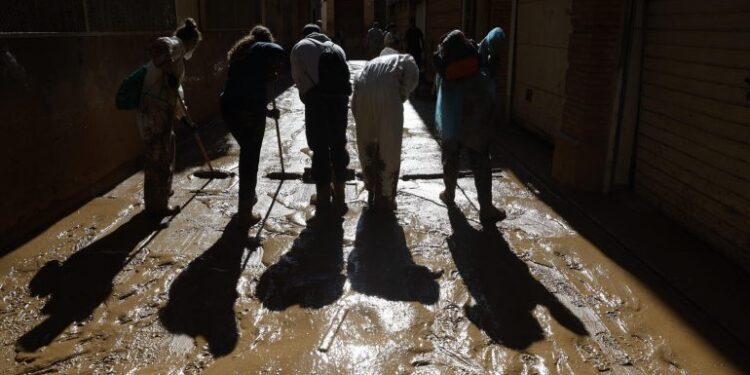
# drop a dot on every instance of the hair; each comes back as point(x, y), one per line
point(259, 33)
point(319, 23)
point(309, 29)
point(189, 31)
point(455, 45)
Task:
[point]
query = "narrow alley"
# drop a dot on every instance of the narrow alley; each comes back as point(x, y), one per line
point(427, 292)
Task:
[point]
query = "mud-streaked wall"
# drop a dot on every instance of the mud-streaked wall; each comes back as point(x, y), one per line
point(63, 141)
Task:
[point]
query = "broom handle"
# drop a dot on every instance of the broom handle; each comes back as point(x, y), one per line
point(278, 137)
point(203, 151)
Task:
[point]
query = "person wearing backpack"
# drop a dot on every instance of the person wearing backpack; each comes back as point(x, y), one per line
point(377, 103)
point(463, 117)
point(254, 63)
point(161, 105)
point(321, 73)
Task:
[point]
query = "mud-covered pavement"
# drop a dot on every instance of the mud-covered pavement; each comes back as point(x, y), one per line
point(426, 292)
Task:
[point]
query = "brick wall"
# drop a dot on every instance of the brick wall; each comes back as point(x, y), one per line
point(590, 93)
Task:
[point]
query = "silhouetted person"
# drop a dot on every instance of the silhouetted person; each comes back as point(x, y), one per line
point(254, 63)
point(391, 38)
point(201, 299)
point(415, 42)
point(321, 73)
point(381, 264)
point(162, 105)
point(79, 285)
point(374, 41)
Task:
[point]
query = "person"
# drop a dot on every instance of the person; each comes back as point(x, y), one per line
point(374, 41)
point(377, 103)
point(463, 117)
point(254, 62)
point(320, 71)
point(338, 39)
point(391, 37)
point(162, 104)
point(415, 41)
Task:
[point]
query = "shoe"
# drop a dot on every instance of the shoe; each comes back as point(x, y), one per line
point(339, 198)
point(448, 198)
point(491, 214)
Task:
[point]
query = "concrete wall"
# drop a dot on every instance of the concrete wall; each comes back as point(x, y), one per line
point(63, 140)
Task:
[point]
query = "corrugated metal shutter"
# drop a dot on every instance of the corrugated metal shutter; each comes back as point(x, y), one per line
point(543, 34)
point(693, 145)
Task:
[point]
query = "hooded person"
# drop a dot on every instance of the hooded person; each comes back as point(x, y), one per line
point(254, 62)
point(377, 103)
point(320, 71)
point(162, 104)
point(463, 114)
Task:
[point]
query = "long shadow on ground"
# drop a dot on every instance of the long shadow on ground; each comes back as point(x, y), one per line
point(381, 264)
point(310, 274)
point(201, 299)
point(504, 289)
point(77, 286)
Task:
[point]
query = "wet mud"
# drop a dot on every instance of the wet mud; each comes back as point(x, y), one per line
point(428, 290)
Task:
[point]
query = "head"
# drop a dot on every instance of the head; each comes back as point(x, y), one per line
point(309, 29)
point(453, 43)
point(259, 33)
point(412, 22)
point(391, 27)
point(190, 36)
point(319, 23)
point(376, 25)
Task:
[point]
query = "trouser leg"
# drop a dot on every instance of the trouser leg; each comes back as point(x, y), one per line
point(337, 123)
point(317, 133)
point(247, 128)
point(390, 153)
point(451, 153)
point(480, 165)
point(159, 167)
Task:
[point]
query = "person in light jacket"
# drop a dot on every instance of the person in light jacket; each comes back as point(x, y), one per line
point(377, 103)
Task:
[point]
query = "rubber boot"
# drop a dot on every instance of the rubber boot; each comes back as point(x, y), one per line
point(339, 198)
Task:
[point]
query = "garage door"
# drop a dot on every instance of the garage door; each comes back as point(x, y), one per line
point(693, 145)
point(541, 63)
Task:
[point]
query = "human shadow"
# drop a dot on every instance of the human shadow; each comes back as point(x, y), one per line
point(381, 264)
point(504, 289)
point(201, 299)
point(310, 274)
point(77, 286)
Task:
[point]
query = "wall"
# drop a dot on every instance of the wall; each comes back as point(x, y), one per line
point(591, 94)
point(63, 141)
point(541, 64)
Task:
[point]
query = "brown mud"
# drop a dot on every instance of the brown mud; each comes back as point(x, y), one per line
point(425, 291)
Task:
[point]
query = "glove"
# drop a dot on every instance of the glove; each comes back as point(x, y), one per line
point(273, 113)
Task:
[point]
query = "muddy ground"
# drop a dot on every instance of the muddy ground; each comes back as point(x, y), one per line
point(428, 291)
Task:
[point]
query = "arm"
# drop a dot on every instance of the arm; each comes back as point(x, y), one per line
point(409, 77)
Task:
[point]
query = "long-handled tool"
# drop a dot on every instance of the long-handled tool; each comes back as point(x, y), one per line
point(211, 173)
point(283, 175)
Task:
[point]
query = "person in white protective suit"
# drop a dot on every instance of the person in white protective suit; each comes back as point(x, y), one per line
point(377, 103)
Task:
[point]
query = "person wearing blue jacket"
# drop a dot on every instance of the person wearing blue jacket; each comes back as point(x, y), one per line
point(463, 114)
point(254, 62)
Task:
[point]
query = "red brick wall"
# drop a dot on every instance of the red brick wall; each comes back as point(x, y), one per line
point(590, 92)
